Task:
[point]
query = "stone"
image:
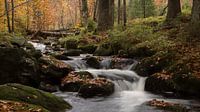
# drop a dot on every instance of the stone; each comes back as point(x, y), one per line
point(21, 93)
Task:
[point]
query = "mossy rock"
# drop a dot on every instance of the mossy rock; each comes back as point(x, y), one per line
point(18, 41)
point(88, 48)
point(21, 93)
point(103, 50)
point(70, 44)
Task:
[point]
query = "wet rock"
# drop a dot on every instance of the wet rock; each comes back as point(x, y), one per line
point(53, 69)
point(73, 52)
point(160, 83)
point(92, 62)
point(48, 87)
point(62, 57)
point(17, 66)
point(86, 85)
point(17, 92)
point(96, 87)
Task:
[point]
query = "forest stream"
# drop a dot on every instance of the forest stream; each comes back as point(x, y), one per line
point(129, 95)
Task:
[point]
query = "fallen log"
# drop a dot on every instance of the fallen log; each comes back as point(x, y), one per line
point(52, 33)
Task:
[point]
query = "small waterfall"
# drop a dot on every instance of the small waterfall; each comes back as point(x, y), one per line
point(106, 63)
point(124, 80)
point(77, 64)
point(38, 46)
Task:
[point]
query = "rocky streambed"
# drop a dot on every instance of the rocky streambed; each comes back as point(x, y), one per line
point(89, 83)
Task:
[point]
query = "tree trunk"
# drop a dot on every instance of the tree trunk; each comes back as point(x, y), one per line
point(194, 28)
point(84, 9)
point(8, 16)
point(95, 10)
point(124, 13)
point(13, 16)
point(174, 8)
point(144, 8)
point(105, 17)
point(196, 11)
point(27, 16)
point(119, 11)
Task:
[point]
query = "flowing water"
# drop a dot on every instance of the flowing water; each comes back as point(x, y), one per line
point(129, 93)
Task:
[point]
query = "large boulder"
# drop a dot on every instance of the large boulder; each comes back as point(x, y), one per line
point(52, 69)
point(153, 64)
point(21, 93)
point(86, 85)
point(17, 66)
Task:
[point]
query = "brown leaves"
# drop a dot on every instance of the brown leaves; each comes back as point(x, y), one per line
point(163, 75)
point(74, 78)
point(157, 103)
point(10, 106)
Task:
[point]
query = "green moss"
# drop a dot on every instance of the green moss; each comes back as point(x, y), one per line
point(17, 92)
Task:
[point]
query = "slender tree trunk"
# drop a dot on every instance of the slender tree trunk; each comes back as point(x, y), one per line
point(119, 11)
point(27, 16)
point(13, 16)
point(174, 8)
point(8, 16)
point(95, 10)
point(84, 9)
point(144, 8)
point(124, 13)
